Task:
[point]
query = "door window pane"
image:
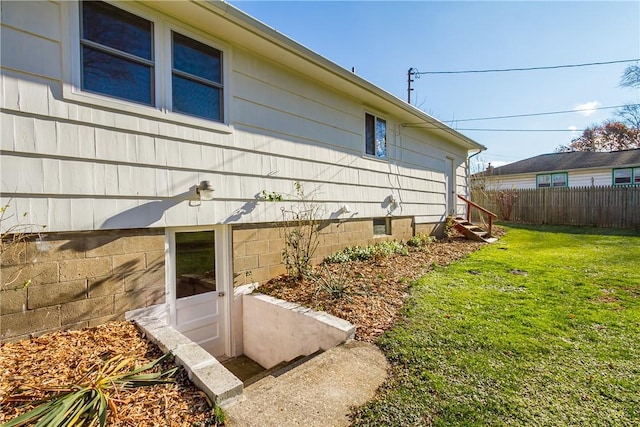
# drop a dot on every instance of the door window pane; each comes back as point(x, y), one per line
point(195, 263)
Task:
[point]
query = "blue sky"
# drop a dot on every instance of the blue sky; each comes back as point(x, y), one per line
point(383, 39)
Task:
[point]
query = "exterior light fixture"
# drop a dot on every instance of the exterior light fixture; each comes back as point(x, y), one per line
point(344, 209)
point(204, 190)
point(393, 202)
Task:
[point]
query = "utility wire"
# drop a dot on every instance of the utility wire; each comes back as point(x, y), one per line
point(427, 126)
point(540, 114)
point(552, 67)
point(548, 113)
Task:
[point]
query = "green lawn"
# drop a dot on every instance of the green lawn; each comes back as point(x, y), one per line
point(540, 328)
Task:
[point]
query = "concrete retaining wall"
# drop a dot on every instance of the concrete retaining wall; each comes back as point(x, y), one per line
point(276, 331)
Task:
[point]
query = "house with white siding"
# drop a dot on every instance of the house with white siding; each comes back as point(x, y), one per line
point(571, 169)
point(142, 135)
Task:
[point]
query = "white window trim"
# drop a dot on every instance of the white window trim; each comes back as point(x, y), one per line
point(162, 27)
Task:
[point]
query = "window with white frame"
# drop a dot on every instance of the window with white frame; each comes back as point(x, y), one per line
point(375, 136)
point(118, 51)
point(196, 81)
point(552, 180)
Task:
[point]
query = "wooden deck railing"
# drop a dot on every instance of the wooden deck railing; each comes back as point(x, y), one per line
point(470, 204)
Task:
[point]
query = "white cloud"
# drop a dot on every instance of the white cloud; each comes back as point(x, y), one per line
point(498, 163)
point(588, 108)
point(573, 128)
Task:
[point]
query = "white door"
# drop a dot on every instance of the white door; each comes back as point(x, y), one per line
point(451, 187)
point(198, 286)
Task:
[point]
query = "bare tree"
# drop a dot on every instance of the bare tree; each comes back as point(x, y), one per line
point(630, 115)
point(631, 76)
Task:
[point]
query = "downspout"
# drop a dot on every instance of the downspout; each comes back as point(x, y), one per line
point(468, 165)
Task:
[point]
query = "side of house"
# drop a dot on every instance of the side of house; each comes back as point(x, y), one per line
point(114, 113)
point(577, 169)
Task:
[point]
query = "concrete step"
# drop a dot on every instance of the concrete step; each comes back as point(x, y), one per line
point(316, 392)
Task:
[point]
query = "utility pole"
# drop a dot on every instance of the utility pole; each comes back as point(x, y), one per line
point(410, 74)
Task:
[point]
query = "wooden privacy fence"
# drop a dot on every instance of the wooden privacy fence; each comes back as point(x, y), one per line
point(611, 207)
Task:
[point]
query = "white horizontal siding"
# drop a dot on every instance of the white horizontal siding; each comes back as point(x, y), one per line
point(577, 178)
point(83, 166)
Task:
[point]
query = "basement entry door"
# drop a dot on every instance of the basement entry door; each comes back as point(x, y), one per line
point(199, 283)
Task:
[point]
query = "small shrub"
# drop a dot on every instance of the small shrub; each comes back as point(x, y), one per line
point(420, 240)
point(363, 253)
point(386, 249)
point(336, 285)
point(351, 253)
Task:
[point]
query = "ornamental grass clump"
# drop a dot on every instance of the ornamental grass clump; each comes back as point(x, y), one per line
point(89, 402)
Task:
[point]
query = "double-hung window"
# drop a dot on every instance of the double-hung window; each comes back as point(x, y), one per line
point(117, 53)
point(375, 136)
point(118, 58)
point(196, 80)
point(626, 176)
point(552, 180)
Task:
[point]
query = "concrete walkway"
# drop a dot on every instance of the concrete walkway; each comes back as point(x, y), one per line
point(320, 392)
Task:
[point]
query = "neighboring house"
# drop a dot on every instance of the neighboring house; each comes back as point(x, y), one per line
point(118, 117)
point(573, 169)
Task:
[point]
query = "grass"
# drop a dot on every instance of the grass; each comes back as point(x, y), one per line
point(540, 328)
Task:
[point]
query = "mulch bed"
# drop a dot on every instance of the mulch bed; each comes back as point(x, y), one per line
point(376, 288)
point(62, 358)
point(372, 300)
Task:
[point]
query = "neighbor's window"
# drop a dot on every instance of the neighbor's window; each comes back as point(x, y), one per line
point(196, 80)
point(382, 226)
point(375, 136)
point(544, 181)
point(117, 53)
point(622, 176)
point(559, 180)
point(552, 180)
point(636, 176)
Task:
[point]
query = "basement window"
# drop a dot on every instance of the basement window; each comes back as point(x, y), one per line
point(382, 226)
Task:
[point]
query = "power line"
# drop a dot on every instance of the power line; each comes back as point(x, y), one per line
point(502, 70)
point(540, 114)
point(429, 127)
point(547, 113)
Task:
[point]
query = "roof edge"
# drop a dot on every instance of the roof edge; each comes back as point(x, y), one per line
point(263, 30)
